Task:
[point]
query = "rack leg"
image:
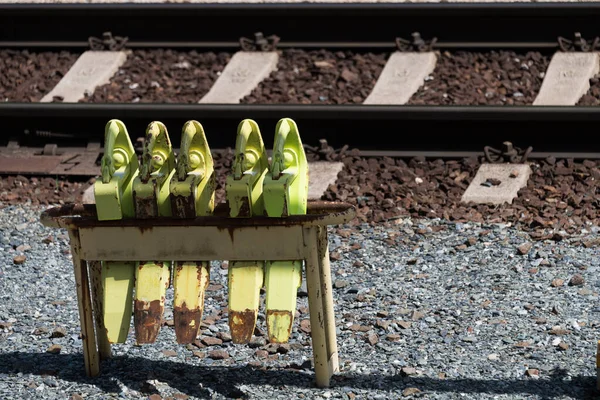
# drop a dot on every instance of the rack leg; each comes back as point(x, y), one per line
point(332, 352)
point(84, 300)
point(95, 268)
point(320, 301)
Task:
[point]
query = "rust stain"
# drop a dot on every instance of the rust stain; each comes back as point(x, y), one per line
point(279, 315)
point(241, 324)
point(147, 319)
point(244, 208)
point(183, 206)
point(200, 268)
point(145, 207)
point(187, 323)
point(179, 266)
point(75, 216)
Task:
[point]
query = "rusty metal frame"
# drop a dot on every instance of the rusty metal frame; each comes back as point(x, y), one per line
point(215, 237)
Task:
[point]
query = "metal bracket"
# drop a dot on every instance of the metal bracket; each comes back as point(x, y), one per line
point(325, 152)
point(416, 44)
point(108, 42)
point(509, 153)
point(578, 44)
point(260, 43)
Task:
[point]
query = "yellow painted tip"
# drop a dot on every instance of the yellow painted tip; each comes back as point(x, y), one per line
point(279, 325)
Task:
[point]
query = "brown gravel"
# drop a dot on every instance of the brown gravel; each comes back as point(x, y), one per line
point(491, 78)
point(561, 195)
point(592, 97)
point(162, 76)
point(320, 77)
point(27, 76)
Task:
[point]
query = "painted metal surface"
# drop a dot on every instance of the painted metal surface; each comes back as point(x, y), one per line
point(285, 192)
point(152, 199)
point(192, 194)
point(92, 240)
point(114, 201)
point(245, 199)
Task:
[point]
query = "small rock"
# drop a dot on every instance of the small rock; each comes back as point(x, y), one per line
point(181, 396)
point(5, 325)
point(54, 349)
point(383, 314)
point(169, 353)
point(199, 354)
point(393, 337)
point(305, 326)
point(576, 280)
point(261, 353)
point(224, 336)
point(338, 284)
point(218, 354)
point(522, 344)
point(410, 391)
point(493, 357)
point(417, 315)
point(404, 324)
point(155, 396)
point(24, 247)
point(557, 282)
point(257, 342)
point(48, 240)
point(382, 324)
point(76, 396)
point(211, 341)
point(534, 373)
point(335, 256)
point(20, 259)
point(170, 322)
point(524, 248)
point(472, 241)
point(323, 64)
point(59, 332)
point(407, 371)
point(558, 331)
point(563, 346)
point(373, 339)
point(40, 331)
point(348, 75)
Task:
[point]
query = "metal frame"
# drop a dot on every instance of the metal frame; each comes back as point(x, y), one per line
point(216, 237)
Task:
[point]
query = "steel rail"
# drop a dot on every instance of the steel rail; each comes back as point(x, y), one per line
point(366, 127)
point(375, 25)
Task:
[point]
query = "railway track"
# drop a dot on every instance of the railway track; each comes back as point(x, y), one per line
point(546, 29)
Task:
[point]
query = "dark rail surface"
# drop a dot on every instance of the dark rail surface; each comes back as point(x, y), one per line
point(298, 25)
point(367, 127)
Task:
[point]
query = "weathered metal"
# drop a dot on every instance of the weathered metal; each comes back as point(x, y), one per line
point(114, 201)
point(192, 194)
point(126, 240)
point(151, 197)
point(285, 191)
point(244, 193)
point(94, 240)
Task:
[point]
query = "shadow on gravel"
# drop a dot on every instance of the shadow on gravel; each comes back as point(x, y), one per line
point(195, 380)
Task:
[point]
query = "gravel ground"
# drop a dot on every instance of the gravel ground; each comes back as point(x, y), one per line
point(592, 97)
point(424, 309)
point(320, 77)
point(162, 76)
point(27, 76)
point(560, 195)
point(491, 78)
